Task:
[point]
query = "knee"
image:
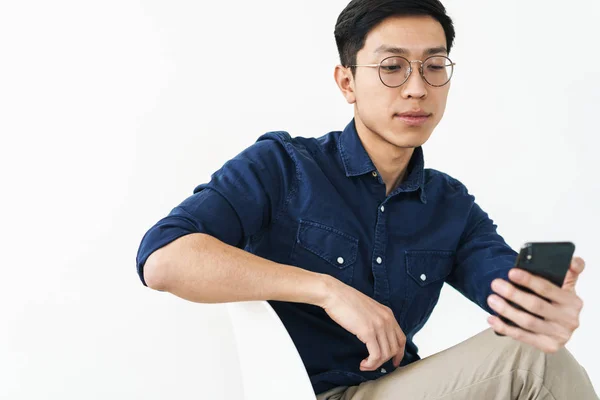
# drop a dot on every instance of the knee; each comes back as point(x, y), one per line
point(559, 371)
point(522, 353)
point(529, 357)
point(561, 359)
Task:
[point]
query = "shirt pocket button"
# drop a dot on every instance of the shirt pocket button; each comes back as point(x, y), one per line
point(324, 249)
point(427, 267)
point(427, 270)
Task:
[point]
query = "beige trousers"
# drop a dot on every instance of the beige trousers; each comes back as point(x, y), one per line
point(484, 367)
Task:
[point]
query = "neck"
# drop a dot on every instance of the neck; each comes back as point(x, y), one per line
point(390, 160)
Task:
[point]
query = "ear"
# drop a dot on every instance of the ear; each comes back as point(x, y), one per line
point(345, 81)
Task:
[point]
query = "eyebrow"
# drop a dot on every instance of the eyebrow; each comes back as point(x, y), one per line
point(399, 50)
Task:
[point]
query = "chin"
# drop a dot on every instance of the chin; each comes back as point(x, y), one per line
point(407, 139)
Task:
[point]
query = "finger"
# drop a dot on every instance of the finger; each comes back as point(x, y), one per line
point(401, 340)
point(384, 346)
point(542, 342)
point(539, 285)
point(527, 321)
point(393, 343)
point(368, 364)
point(528, 301)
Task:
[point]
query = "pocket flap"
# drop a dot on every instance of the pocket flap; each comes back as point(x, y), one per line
point(428, 266)
point(332, 245)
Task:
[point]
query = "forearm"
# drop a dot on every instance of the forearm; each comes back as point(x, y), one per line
point(201, 268)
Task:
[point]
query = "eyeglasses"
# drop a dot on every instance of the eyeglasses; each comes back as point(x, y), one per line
point(394, 71)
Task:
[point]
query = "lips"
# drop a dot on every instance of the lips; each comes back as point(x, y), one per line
point(413, 118)
point(418, 113)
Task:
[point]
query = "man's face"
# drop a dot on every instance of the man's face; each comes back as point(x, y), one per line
point(378, 107)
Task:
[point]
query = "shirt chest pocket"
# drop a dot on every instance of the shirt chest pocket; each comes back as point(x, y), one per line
point(324, 249)
point(427, 271)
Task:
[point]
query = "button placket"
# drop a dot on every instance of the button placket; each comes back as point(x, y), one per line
point(381, 287)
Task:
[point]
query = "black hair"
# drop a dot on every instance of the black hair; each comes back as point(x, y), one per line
point(360, 16)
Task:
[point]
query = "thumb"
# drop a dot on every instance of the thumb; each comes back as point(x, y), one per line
point(576, 268)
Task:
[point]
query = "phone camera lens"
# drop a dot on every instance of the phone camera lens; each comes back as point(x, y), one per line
point(529, 254)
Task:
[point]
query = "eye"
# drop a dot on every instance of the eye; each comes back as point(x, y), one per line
point(436, 68)
point(392, 68)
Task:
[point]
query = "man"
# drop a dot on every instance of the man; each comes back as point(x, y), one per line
point(350, 238)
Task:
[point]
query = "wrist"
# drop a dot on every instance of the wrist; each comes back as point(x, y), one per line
point(323, 289)
point(306, 287)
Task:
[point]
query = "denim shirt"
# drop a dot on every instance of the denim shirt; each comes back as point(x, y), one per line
point(321, 205)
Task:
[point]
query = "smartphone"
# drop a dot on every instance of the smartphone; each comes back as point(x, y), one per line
point(549, 260)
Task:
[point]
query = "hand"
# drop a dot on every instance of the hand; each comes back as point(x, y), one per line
point(560, 313)
point(373, 323)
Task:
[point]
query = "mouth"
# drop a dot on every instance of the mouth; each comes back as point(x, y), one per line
point(416, 118)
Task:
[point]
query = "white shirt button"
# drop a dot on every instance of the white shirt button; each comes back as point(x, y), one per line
point(340, 260)
point(374, 174)
point(379, 260)
point(382, 208)
point(423, 277)
point(383, 370)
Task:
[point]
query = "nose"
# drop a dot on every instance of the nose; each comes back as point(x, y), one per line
point(415, 86)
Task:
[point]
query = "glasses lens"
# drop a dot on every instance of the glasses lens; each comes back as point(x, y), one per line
point(394, 71)
point(437, 70)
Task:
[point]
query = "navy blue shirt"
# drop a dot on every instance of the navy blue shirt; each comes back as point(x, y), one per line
point(320, 204)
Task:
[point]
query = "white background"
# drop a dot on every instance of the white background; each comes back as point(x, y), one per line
point(112, 112)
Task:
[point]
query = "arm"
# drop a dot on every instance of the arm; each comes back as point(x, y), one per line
point(485, 267)
point(201, 268)
point(195, 252)
point(481, 257)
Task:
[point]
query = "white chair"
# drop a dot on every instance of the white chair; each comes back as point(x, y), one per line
point(270, 364)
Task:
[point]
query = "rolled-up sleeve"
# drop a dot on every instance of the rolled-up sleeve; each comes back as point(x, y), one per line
point(241, 199)
point(482, 256)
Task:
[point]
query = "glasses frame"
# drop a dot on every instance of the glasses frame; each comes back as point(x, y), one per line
point(410, 69)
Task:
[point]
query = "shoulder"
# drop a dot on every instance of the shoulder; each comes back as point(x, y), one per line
point(323, 142)
point(299, 149)
point(279, 156)
point(272, 147)
point(445, 185)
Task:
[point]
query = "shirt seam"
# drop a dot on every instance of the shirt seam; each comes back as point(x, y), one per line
point(287, 145)
point(496, 376)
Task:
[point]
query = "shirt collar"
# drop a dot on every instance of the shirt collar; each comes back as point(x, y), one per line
point(357, 162)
